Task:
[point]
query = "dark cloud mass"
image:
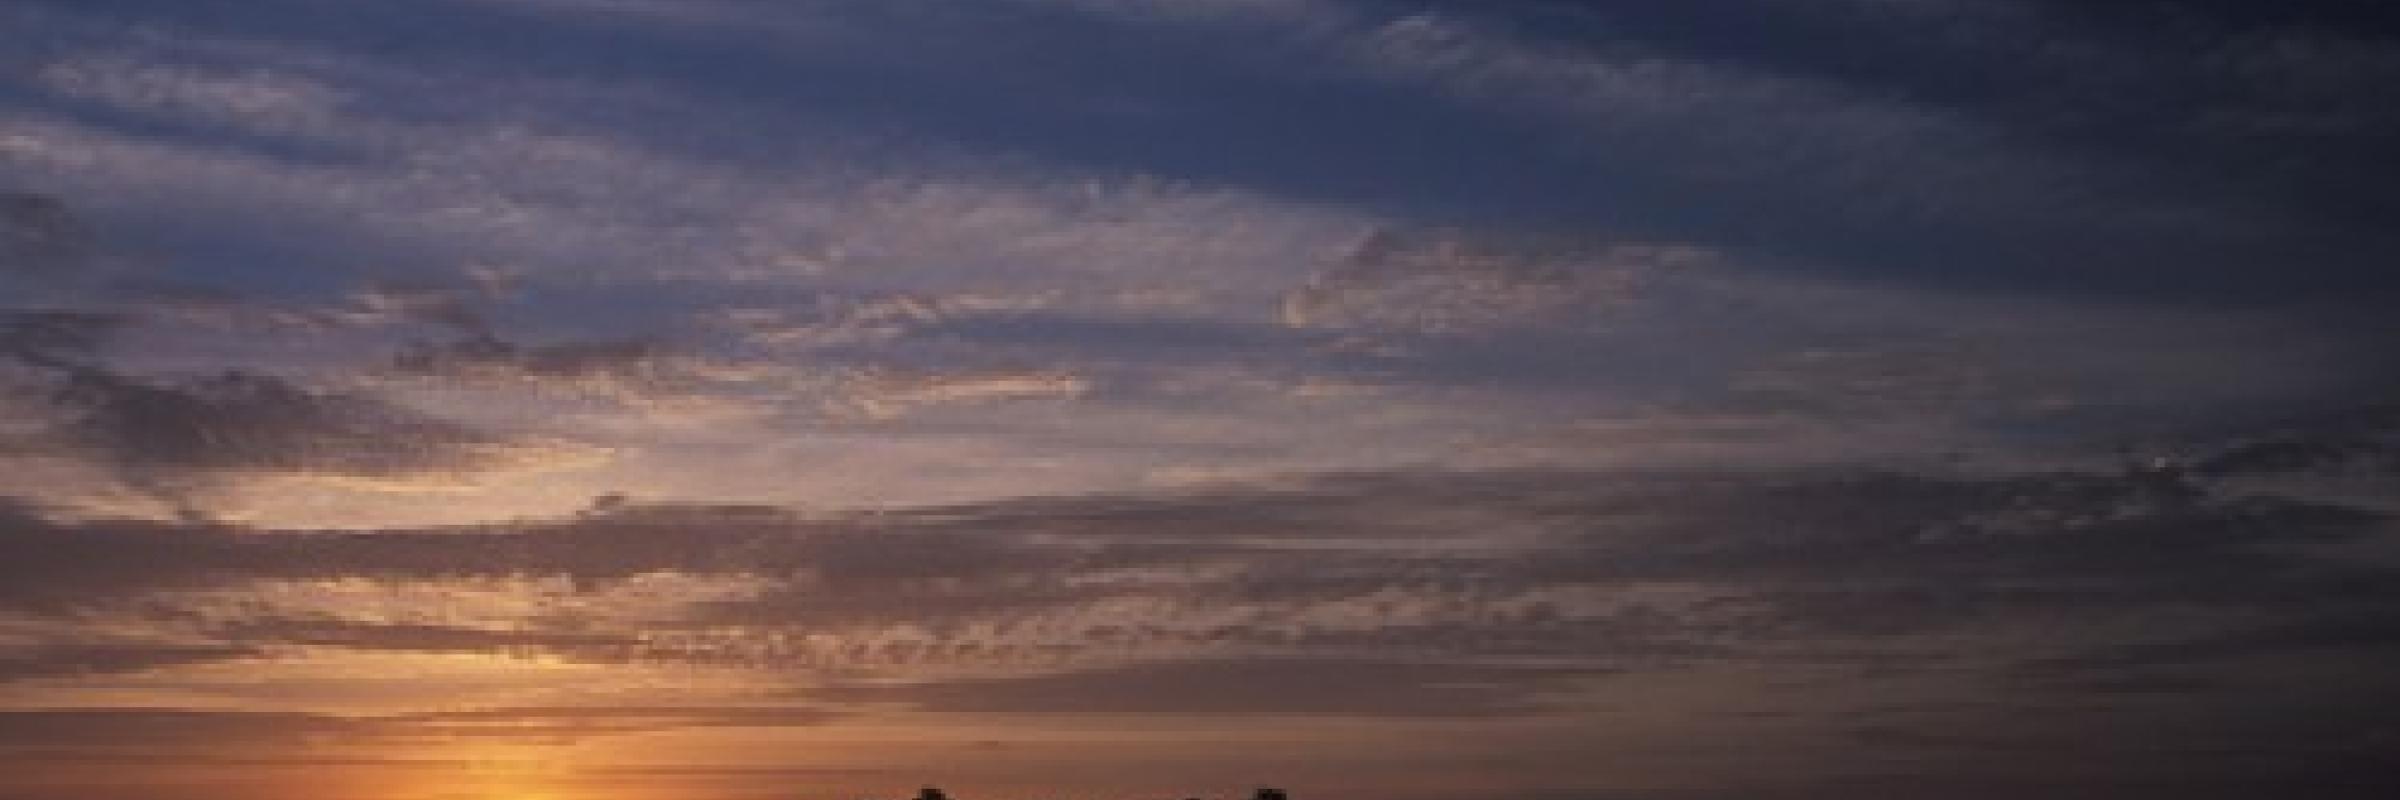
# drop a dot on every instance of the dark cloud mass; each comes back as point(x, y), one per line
point(169, 435)
point(38, 234)
point(1250, 686)
point(74, 660)
point(573, 360)
point(54, 338)
point(240, 420)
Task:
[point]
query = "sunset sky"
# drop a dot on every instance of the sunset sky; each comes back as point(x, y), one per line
point(1116, 399)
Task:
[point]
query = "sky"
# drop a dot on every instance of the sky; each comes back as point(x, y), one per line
point(1403, 399)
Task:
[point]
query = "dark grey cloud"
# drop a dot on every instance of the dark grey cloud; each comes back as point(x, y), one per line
point(561, 361)
point(162, 435)
point(448, 308)
point(55, 338)
point(640, 372)
point(40, 236)
point(426, 638)
point(139, 728)
point(79, 660)
point(188, 736)
point(172, 436)
point(240, 420)
point(2365, 637)
point(1445, 282)
point(1249, 686)
point(53, 561)
point(2363, 440)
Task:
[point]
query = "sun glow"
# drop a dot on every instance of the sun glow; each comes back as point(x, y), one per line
point(497, 770)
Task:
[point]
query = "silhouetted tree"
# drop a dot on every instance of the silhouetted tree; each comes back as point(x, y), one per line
point(931, 793)
point(1265, 793)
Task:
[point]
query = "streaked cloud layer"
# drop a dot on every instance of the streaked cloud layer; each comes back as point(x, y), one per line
point(719, 399)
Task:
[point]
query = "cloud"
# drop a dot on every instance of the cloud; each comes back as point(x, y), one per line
point(2363, 441)
point(374, 307)
point(625, 366)
point(426, 638)
point(1269, 686)
point(1443, 282)
point(19, 663)
point(1418, 598)
point(680, 290)
point(1613, 570)
point(136, 728)
point(188, 734)
point(2363, 637)
point(1872, 139)
point(833, 320)
point(625, 719)
point(160, 435)
point(884, 394)
point(55, 338)
point(258, 99)
point(40, 236)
